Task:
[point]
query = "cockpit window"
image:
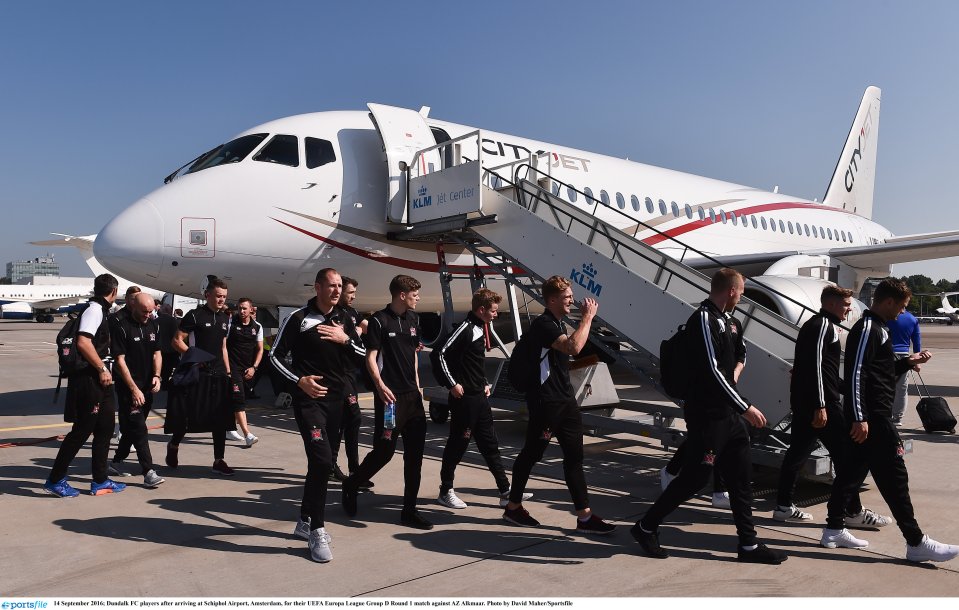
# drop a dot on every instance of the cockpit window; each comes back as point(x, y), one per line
point(282, 149)
point(318, 152)
point(233, 151)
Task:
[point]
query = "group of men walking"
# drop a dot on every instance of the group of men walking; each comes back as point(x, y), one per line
point(320, 348)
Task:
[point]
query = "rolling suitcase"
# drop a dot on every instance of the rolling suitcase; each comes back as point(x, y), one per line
point(934, 411)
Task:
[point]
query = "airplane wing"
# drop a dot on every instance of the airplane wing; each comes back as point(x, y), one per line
point(904, 249)
point(901, 249)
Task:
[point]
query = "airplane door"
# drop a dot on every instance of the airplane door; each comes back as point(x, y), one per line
point(403, 132)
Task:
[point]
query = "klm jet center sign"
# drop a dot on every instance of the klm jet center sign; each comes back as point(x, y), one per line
point(445, 193)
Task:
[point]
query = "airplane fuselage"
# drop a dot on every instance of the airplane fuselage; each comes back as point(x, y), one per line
point(266, 227)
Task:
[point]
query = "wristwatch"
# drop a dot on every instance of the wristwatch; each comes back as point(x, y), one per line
point(103, 368)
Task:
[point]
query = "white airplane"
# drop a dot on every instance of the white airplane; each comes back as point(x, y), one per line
point(952, 313)
point(271, 206)
point(42, 301)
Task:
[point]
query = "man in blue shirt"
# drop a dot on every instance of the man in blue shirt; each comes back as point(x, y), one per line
point(904, 330)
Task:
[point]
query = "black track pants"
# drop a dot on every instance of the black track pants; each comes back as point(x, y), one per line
point(471, 418)
point(722, 444)
point(311, 419)
point(547, 420)
point(95, 414)
point(133, 428)
point(411, 425)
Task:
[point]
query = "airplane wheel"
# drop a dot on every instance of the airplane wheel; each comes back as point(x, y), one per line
point(439, 413)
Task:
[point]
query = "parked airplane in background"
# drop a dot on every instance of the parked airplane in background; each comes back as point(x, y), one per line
point(947, 309)
point(271, 206)
point(42, 302)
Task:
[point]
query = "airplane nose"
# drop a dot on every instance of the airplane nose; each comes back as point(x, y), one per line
point(131, 245)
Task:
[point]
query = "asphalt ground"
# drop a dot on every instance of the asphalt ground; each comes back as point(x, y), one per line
point(199, 535)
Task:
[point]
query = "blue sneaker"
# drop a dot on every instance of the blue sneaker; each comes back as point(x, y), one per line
point(107, 487)
point(61, 489)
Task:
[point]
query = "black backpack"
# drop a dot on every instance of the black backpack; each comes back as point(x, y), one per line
point(524, 363)
point(68, 357)
point(673, 353)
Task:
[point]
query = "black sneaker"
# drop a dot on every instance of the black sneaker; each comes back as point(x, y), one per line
point(520, 516)
point(649, 541)
point(336, 474)
point(349, 497)
point(595, 525)
point(365, 485)
point(414, 519)
point(762, 554)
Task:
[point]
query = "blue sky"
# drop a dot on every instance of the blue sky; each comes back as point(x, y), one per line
point(102, 100)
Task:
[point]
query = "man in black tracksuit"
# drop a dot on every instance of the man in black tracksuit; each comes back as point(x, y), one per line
point(349, 428)
point(871, 370)
point(553, 410)
point(392, 343)
point(134, 337)
point(462, 370)
point(716, 416)
point(816, 401)
point(90, 404)
point(322, 343)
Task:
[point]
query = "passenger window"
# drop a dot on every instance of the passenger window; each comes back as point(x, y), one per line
point(620, 201)
point(732, 216)
point(675, 209)
point(590, 200)
point(318, 152)
point(806, 227)
point(634, 201)
point(555, 189)
point(782, 227)
point(688, 210)
point(772, 225)
point(763, 219)
point(662, 207)
point(604, 196)
point(791, 227)
point(649, 205)
point(702, 214)
point(829, 232)
point(815, 233)
point(571, 194)
point(753, 220)
point(280, 150)
point(712, 215)
point(722, 216)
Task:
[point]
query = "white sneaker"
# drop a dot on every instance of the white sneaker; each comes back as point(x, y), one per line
point(302, 529)
point(450, 500)
point(233, 435)
point(320, 545)
point(721, 500)
point(665, 478)
point(832, 539)
point(152, 480)
point(251, 439)
point(867, 518)
point(791, 514)
point(504, 497)
point(930, 550)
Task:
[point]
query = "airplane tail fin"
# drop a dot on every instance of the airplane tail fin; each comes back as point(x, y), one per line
point(851, 187)
point(83, 243)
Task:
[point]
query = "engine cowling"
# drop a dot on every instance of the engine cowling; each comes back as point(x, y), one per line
point(794, 297)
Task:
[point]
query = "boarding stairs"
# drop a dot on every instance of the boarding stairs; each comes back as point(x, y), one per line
point(513, 221)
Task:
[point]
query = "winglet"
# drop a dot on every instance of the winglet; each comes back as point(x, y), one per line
point(83, 243)
point(852, 184)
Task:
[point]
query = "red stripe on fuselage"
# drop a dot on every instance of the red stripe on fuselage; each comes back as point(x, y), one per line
point(389, 260)
point(756, 209)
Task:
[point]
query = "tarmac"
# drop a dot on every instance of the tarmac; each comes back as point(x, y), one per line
point(200, 535)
